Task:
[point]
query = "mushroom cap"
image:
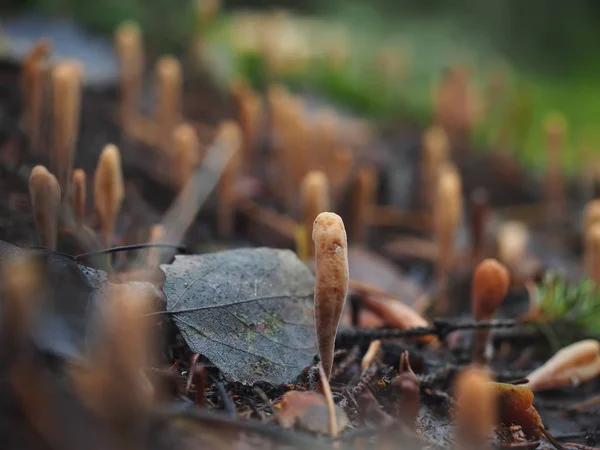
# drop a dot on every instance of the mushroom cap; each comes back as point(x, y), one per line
point(490, 285)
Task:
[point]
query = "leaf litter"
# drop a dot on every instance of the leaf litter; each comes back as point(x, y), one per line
point(249, 311)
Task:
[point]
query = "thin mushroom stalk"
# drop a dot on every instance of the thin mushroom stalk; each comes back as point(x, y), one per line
point(44, 191)
point(35, 73)
point(592, 254)
point(480, 212)
point(168, 109)
point(108, 189)
point(186, 157)
point(331, 251)
point(229, 136)
point(314, 199)
point(364, 197)
point(128, 43)
point(591, 214)
point(436, 148)
point(490, 285)
point(475, 409)
point(447, 216)
point(555, 128)
point(66, 98)
point(78, 180)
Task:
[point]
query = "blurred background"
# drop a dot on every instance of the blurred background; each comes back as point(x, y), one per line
point(542, 52)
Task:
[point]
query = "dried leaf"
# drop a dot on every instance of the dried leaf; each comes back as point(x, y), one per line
point(577, 363)
point(308, 410)
point(250, 311)
point(369, 268)
point(515, 407)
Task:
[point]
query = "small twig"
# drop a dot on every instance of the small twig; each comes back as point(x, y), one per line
point(586, 404)
point(344, 365)
point(283, 436)
point(366, 377)
point(191, 372)
point(440, 328)
point(326, 391)
point(267, 401)
point(200, 384)
point(551, 439)
point(126, 248)
point(580, 446)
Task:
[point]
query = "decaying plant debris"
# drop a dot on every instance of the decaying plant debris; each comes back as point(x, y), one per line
point(161, 315)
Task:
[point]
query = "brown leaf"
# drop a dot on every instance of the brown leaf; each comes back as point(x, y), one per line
point(308, 410)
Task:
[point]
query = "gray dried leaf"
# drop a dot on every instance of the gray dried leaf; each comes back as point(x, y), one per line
point(250, 311)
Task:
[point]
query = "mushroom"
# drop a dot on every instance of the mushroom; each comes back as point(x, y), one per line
point(44, 191)
point(490, 285)
point(78, 180)
point(592, 254)
point(475, 416)
point(314, 199)
point(168, 109)
point(186, 153)
point(447, 215)
point(229, 135)
point(128, 43)
point(364, 192)
point(331, 251)
point(108, 189)
point(66, 97)
point(436, 148)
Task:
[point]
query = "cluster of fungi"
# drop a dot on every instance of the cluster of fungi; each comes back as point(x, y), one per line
point(314, 164)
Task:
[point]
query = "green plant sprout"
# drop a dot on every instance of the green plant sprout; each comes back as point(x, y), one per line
point(567, 312)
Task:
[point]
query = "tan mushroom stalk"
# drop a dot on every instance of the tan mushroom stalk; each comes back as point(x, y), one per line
point(314, 199)
point(331, 251)
point(115, 387)
point(156, 235)
point(128, 43)
point(475, 409)
point(229, 136)
point(109, 190)
point(168, 108)
point(67, 79)
point(436, 148)
point(44, 191)
point(490, 285)
point(480, 212)
point(574, 364)
point(591, 214)
point(511, 242)
point(21, 283)
point(250, 115)
point(556, 129)
point(186, 154)
point(364, 192)
point(591, 240)
point(447, 216)
point(78, 180)
point(343, 159)
point(207, 10)
point(592, 254)
point(35, 74)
